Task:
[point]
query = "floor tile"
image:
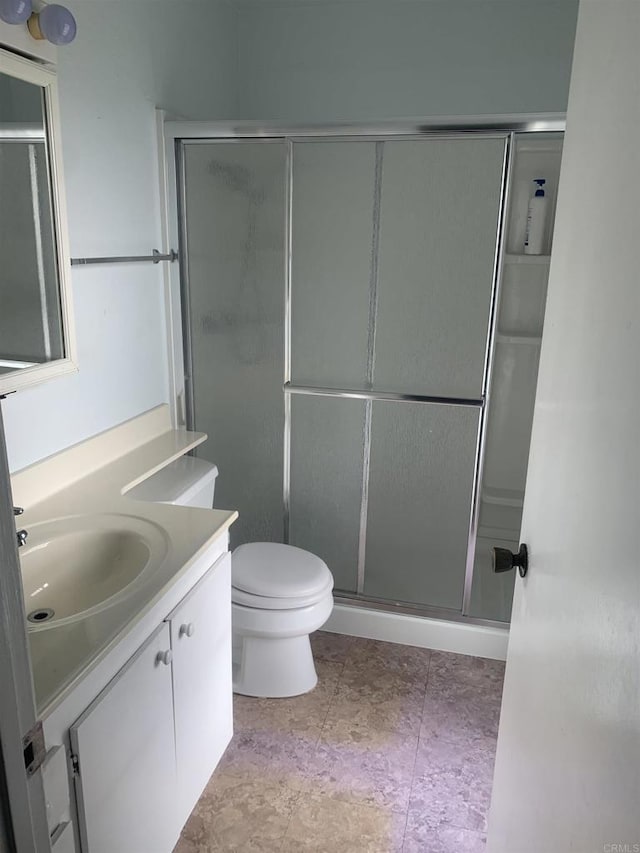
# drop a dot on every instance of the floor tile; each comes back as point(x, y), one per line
point(298, 714)
point(445, 805)
point(325, 825)
point(332, 647)
point(399, 714)
point(252, 845)
point(275, 755)
point(460, 671)
point(392, 656)
point(421, 838)
point(452, 784)
point(460, 718)
point(377, 672)
point(471, 763)
point(239, 813)
point(392, 710)
point(368, 768)
point(370, 681)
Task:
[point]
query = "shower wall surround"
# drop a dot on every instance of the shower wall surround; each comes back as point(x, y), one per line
point(339, 300)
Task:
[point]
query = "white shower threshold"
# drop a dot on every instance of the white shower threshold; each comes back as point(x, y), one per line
point(459, 637)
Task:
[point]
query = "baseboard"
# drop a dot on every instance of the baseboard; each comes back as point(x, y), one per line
point(459, 637)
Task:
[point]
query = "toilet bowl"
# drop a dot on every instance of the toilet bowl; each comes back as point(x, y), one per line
point(279, 595)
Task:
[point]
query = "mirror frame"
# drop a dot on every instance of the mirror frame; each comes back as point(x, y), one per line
point(45, 78)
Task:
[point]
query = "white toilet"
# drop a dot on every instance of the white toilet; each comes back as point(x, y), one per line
point(280, 594)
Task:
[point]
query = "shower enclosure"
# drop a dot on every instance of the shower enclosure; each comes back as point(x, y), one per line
point(340, 297)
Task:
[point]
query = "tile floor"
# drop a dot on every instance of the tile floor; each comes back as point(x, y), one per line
point(391, 753)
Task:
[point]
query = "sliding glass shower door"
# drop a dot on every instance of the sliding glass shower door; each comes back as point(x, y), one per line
point(393, 255)
point(339, 301)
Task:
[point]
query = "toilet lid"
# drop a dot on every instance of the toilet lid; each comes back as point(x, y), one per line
point(278, 571)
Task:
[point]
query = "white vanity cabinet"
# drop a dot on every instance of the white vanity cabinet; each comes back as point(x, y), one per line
point(147, 745)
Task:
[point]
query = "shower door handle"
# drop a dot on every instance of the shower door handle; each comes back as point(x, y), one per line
point(504, 560)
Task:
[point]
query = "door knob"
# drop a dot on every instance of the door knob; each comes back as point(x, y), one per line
point(504, 560)
point(164, 657)
point(187, 630)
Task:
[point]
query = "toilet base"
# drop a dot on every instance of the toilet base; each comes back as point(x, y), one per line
point(275, 668)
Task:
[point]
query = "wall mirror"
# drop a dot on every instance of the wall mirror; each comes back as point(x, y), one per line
point(36, 330)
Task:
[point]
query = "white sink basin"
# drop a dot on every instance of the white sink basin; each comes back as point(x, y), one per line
point(74, 567)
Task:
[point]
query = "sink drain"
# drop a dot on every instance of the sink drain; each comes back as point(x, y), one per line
point(42, 615)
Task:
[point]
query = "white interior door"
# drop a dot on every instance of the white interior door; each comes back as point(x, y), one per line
point(23, 819)
point(568, 762)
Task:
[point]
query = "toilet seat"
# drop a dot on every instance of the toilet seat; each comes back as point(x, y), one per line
point(271, 576)
point(269, 602)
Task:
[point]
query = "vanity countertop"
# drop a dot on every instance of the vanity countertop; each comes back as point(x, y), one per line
point(94, 480)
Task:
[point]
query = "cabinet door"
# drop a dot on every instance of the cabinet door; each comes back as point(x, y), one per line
point(203, 698)
point(125, 747)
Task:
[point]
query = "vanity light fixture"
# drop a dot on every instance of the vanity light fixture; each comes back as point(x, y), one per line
point(54, 23)
point(15, 11)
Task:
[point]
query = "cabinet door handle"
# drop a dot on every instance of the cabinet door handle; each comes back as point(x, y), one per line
point(164, 657)
point(187, 630)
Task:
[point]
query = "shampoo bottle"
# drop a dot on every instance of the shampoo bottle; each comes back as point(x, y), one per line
point(536, 221)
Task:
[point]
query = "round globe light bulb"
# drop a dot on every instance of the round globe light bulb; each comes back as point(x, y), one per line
point(15, 11)
point(57, 24)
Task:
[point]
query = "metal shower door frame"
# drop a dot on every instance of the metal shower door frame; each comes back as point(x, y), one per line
point(179, 133)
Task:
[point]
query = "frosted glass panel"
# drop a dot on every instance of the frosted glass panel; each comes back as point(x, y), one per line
point(333, 208)
point(439, 217)
point(326, 481)
point(235, 213)
point(422, 465)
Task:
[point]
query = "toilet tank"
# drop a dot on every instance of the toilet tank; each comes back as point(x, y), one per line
point(187, 482)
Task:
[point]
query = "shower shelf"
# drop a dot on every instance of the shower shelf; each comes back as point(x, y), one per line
point(503, 497)
point(517, 258)
point(523, 339)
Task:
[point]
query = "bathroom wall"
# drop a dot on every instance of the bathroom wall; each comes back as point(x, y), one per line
point(127, 58)
point(309, 61)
